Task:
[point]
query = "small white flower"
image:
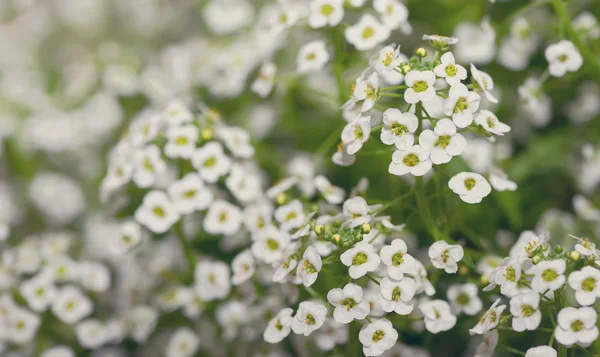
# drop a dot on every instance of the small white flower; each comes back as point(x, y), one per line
point(423, 284)
point(587, 25)
point(223, 218)
point(39, 291)
point(438, 316)
point(399, 128)
point(189, 194)
point(94, 276)
point(287, 264)
point(183, 343)
point(290, 216)
point(356, 133)
point(310, 266)
point(461, 104)
point(312, 57)
point(387, 60)
point(21, 326)
point(377, 337)
point(448, 69)
point(148, 166)
point(211, 162)
point(446, 256)
point(420, 86)
point(484, 82)
point(342, 158)
point(563, 57)
point(470, 186)
point(500, 182)
point(177, 113)
point(349, 303)
point(488, 344)
point(258, 217)
point(366, 92)
point(541, 351)
point(463, 298)
point(332, 194)
point(325, 13)
point(263, 84)
point(331, 334)
point(243, 267)
point(310, 316)
point(397, 295)
point(367, 33)
point(212, 280)
point(279, 327)
point(91, 333)
point(394, 14)
point(585, 208)
point(415, 161)
point(361, 259)
point(59, 351)
point(548, 275)
point(237, 140)
point(270, 244)
point(356, 210)
point(181, 141)
point(443, 142)
point(442, 40)
point(525, 309)
point(157, 212)
point(70, 305)
point(244, 184)
point(586, 284)
point(576, 326)
point(397, 260)
point(129, 237)
point(489, 121)
point(489, 320)
point(585, 247)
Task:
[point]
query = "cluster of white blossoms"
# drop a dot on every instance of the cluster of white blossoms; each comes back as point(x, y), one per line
point(439, 109)
point(540, 280)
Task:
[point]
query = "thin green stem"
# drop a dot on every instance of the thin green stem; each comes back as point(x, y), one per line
point(372, 279)
point(392, 88)
point(562, 349)
point(187, 249)
point(328, 143)
point(513, 350)
point(394, 95)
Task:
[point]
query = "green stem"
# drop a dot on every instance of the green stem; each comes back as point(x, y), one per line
point(513, 350)
point(425, 212)
point(562, 349)
point(328, 143)
point(187, 249)
point(588, 56)
point(372, 279)
point(394, 95)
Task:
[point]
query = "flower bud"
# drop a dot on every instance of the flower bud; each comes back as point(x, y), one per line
point(574, 255)
point(421, 52)
point(558, 249)
point(337, 223)
point(206, 134)
point(536, 259)
point(336, 238)
point(319, 229)
point(406, 68)
point(366, 228)
point(484, 279)
point(281, 198)
point(463, 270)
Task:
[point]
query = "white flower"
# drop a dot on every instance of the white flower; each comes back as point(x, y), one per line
point(525, 309)
point(463, 298)
point(244, 184)
point(21, 326)
point(356, 133)
point(211, 162)
point(91, 333)
point(279, 326)
point(448, 69)
point(312, 57)
point(223, 218)
point(325, 13)
point(181, 141)
point(461, 104)
point(500, 182)
point(489, 121)
point(331, 334)
point(263, 84)
point(548, 275)
point(148, 166)
point(94, 276)
point(488, 344)
point(477, 42)
point(39, 291)
point(258, 217)
point(387, 60)
point(310, 266)
point(585, 247)
point(585, 208)
point(576, 326)
point(290, 216)
point(438, 316)
point(443, 40)
point(59, 351)
point(157, 212)
point(443, 142)
point(243, 267)
point(129, 237)
point(332, 194)
point(183, 343)
point(342, 158)
point(367, 33)
point(349, 303)
point(177, 113)
point(310, 316)
point(394, 14)
point(489, 320)
point(586, 284)
point(356, 210)
point(189, 194)
point(269, 244)
point(587, 25)
point(563, 57)
point(70, 305)
point(420, 86)
point(399, 128)
point(415, 161)
point(397, 295)
point(446, 256)
point(237, 140)
point(470, 186)
point(367, 91)
point(541, 351)
point(377, 337)
point(361, 259)
point(212, 280)
point(287, 264)
point(484, 82)
point(397, 260)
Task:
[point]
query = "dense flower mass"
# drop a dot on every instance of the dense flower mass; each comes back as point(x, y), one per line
point(299, 178)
